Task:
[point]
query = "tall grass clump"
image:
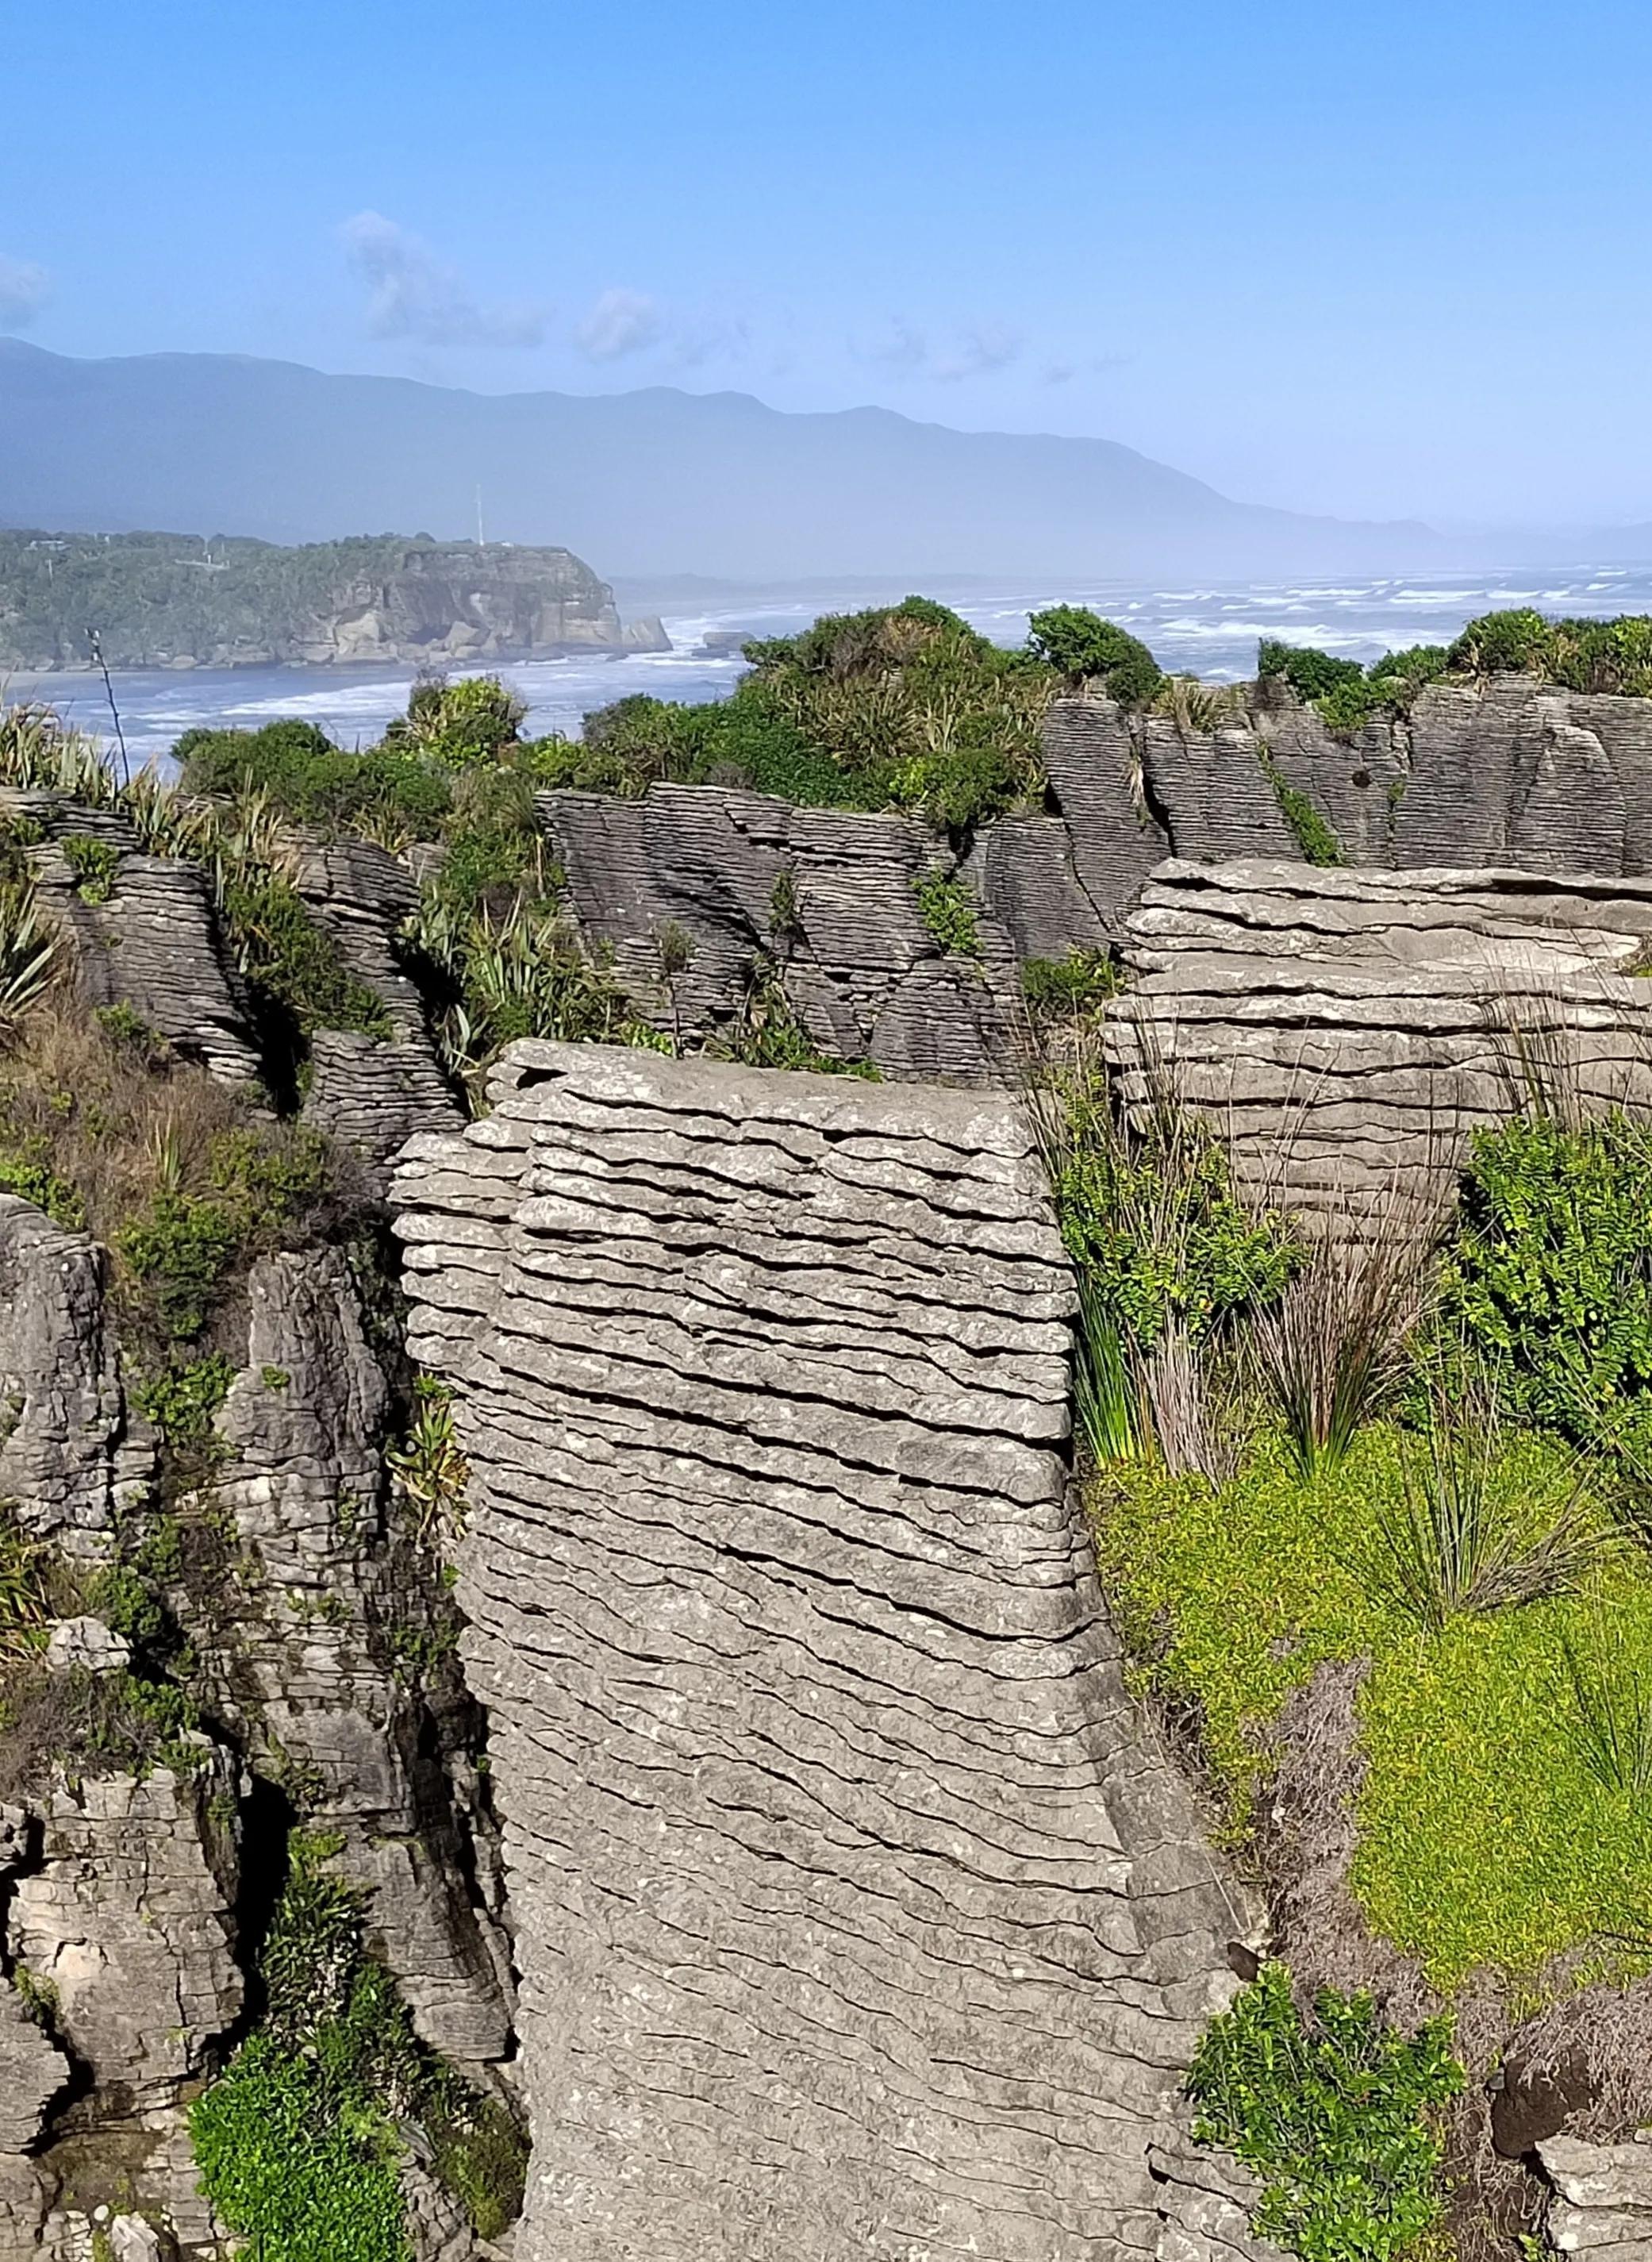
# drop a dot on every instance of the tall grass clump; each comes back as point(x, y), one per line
point(1332, 1348)
point(1481, 1522)
point(1167, 1255)
point(1604, 1691)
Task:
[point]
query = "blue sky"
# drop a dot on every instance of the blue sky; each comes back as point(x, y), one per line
point(1387, 260)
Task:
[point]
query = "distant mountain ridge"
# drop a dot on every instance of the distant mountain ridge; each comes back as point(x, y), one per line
point(651, 482)
point(182, 601)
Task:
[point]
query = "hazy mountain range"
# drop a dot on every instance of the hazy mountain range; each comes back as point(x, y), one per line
point(652, 482)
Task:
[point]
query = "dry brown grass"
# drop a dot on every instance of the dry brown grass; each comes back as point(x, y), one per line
point(103, 1109)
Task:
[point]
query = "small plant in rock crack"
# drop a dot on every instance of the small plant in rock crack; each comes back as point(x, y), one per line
point(947, 906)
point(95, 863)
point(427, 1468)
point(1334, 2110)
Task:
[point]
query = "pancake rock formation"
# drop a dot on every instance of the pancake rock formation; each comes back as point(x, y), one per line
point(857, 1913)
point(1345, 1031)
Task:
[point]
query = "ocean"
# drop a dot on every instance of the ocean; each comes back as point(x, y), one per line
point(1209, 631)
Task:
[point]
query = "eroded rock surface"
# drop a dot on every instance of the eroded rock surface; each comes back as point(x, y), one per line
point(825, 901)
point(1346, 1030)
point(857, 1914)
point(1602, 2207)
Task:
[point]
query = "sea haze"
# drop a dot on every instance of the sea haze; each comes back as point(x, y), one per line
point(1209, 631)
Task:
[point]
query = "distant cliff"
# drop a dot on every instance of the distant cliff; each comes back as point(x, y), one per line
point(179, 601)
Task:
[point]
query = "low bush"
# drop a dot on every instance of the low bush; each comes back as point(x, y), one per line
point(286, 957)
point(948, 907)
point(94, 864)
point(315, 783)
point(1067, 988)
point(300, 2140)
point(1335, 2111)
point(1579, 655)
point(1548, 1278)
point(178, 1253)
point(1083, 648)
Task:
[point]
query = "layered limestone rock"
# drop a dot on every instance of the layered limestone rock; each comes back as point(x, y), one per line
point(371, 1093)
point(858, 1912)
point(1508, 772)
point(143, 935)
point(1348, 1030)
point(316, 1658)
point(322, 1657)
point(71, 1449)
point(751, 888)
point(1602, 2208)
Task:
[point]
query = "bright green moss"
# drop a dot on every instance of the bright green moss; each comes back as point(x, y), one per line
point(1486, 1836)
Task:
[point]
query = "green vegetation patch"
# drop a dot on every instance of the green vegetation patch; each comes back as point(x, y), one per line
point(1311, 829)
point(1550, 1276)
point(393, 790)
point(901, 707)
point(300, 2140)
point(948, 907)
point(1335, 2111)
point(1487, 1834)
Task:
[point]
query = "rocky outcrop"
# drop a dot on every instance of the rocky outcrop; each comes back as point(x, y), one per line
point(1602, 2208)
point(71, 1450)
point(167, 600)
point(322, 1657)
point(371, 1093)
point(316, 1660)
point(141, 934)
point(1346, 1030)
point(823, 901)
point(857, 1913)
point(1509, 772)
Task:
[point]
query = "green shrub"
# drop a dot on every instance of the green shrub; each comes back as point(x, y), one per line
point(1154, 1228)
point(94, 864)
point(1312, 674)
point(1083, 648)
point(1334, 2111)
point(1550, 1276)
point(1064, 989)
point(1312, 832)
point(313, 782)
point(285, 955)
point(465, 725)
point(183, 1248)
point(182, 1400)
point(296, 2160)
point(1580, 655)
point(769, 1035)
point(901, 707)
point(25, 1169)
point(948, 907)
point(299, 2140)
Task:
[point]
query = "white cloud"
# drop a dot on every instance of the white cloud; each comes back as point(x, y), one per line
point(23, 290)
point(975, 351)
point(620, 323)
point(413, 294)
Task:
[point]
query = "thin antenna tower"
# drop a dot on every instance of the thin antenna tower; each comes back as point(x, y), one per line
point(99, 662)
point(481, 539)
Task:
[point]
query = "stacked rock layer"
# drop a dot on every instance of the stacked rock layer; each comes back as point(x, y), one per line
point(857, 1913)
point(1348, 1030)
